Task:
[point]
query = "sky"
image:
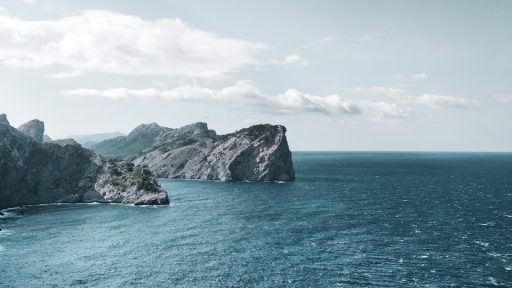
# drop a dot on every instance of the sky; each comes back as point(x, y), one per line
point(340, 75)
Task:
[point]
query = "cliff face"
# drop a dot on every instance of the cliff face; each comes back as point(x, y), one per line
point(257, 153)
point(63, 172)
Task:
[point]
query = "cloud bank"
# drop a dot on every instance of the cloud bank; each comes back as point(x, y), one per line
point(248, 95)
point(291, 101)
point(103, 41)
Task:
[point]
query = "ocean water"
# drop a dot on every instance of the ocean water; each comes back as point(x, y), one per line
point(350, 220)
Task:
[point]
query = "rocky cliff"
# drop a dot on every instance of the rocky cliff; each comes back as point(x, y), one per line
point(62, 171)
point(257, 153)
point(33, 129)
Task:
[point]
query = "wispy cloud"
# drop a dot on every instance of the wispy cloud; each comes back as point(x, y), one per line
point(370, 38)
point(504, 98)
point(320, 43)
point(294, 100)
point(103, 41)
point(379, 91)
point(247, 95)
point(292, 59)
point(65, 75)
point(411, 77)
point(436, 101)
point(387, 109)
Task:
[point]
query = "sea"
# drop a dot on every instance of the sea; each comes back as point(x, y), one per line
point(351, 219)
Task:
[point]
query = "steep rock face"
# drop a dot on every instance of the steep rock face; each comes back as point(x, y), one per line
point(257, 153)
point(63, 172)
point(33, 129)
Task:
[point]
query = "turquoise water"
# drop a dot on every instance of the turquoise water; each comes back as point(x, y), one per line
point(350, 220)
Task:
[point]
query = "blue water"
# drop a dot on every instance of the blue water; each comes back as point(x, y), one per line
point(350, 220)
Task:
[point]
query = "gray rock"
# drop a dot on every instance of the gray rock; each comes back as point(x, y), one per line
point(33, 129)
point(3, 119)
point(257, 153)
point(62, 171)
point(46, 138)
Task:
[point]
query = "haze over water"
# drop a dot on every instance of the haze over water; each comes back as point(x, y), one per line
point(349, 220)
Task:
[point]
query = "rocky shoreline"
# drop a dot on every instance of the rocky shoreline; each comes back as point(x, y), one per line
point(61, 171)
point(36, 170)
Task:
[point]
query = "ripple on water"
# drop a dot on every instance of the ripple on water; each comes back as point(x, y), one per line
point(337, 224)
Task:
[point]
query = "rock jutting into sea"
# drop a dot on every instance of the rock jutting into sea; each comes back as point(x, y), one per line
point(257, 153)
point(61, 171)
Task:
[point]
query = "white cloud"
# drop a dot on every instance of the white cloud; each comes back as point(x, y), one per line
point(242, 92)
point(385, 109)
point(294, 100)
point(28, 1)
point(433, 100)
point(245, 94)
point(412, 77)
point(379, 91)
point(370, 38)
point(320, 43)
point(292, 59)
point(103, 41)
point(2, 9)
point(64, 75)
point(504, 98)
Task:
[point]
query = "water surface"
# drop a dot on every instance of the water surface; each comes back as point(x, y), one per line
point(350, 220)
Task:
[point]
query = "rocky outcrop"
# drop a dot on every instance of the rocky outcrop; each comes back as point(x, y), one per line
point(257, 153)
point(33, 129)
point(62, 171)
point(3, 119)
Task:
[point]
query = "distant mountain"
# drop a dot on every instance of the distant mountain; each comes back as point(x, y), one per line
point(61, 171)
point(89, 140)
point(257, 153)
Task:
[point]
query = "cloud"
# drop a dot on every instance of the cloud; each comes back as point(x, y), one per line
point(504, 98)
point(436, 101)
point(392, 110)
point(294, 100)
point(292, 59)
point(412, 77)
point(242, 93)
point(370, 38)
point(65, 75)
point(103, 41)
point(247, 95)
point(379, 91)
point(2, 9)
point(320, 43)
